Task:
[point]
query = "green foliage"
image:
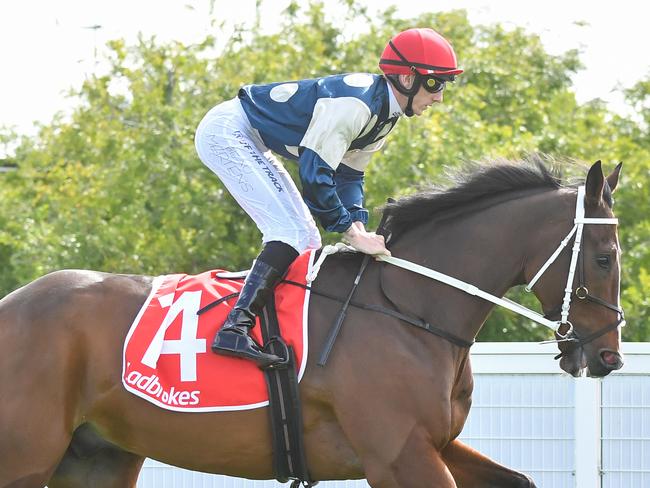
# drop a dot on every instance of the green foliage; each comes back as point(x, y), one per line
point(118, 187)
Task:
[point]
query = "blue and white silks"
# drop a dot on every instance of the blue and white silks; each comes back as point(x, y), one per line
point(331, 125)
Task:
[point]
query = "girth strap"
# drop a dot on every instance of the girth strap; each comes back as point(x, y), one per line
point(285, 412)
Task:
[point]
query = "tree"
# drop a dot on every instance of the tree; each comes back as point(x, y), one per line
point(118, 186)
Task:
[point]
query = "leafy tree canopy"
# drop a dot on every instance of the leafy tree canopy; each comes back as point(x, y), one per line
point(117, 186)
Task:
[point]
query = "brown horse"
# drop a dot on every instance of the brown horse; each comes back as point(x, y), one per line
point(391, 401)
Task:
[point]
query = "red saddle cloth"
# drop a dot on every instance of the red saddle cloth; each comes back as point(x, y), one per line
point(167, 357)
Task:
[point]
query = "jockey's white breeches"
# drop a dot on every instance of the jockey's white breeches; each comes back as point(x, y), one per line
point(234, 151)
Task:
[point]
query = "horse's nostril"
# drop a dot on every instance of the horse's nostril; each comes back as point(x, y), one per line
point(610, 358)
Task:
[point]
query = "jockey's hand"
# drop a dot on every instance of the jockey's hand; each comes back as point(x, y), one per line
point(364, 241)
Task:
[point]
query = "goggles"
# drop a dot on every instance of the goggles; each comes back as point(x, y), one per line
point(433, 85)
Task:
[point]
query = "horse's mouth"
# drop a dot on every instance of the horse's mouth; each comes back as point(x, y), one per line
point(578, 364)
point(575, 366)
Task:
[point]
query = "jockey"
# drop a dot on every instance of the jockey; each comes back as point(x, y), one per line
point(331, 126)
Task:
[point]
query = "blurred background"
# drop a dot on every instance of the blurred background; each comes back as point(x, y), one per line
point(99, 102)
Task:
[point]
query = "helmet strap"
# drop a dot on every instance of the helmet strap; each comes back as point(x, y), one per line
point(409, 92)
point(408, 111)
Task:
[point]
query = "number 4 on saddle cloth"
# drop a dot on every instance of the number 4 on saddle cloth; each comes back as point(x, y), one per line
point(167, 358)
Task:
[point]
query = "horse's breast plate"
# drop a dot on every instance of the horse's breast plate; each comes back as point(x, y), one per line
point(167, 358)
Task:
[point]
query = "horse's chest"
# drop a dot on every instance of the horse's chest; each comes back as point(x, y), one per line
point(461, 399)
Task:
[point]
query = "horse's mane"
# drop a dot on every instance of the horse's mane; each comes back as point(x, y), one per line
point(476, 182)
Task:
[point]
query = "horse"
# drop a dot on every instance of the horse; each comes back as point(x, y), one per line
point(391, 401)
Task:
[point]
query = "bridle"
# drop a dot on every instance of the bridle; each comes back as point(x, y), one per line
point(581, 292)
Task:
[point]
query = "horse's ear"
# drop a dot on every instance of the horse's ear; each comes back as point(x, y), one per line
point(595, 184)
point(612, 180)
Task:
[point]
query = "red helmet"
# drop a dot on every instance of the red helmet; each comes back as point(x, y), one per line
point(421, 50)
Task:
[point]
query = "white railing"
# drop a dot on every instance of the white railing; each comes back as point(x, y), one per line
point(565, 432)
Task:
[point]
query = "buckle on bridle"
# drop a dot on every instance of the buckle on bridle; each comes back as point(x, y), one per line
point(569, 335)
point(582, 292)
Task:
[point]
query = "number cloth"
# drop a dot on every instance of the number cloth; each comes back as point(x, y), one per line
point(167, 359)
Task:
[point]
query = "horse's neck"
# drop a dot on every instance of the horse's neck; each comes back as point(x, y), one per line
point(488, 249)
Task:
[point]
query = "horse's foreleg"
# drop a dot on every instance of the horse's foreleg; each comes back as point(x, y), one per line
point(471, 469)
point(24, 467)
point(110, 468)
point(31, 445)
point(92, 461)
point(417, 464)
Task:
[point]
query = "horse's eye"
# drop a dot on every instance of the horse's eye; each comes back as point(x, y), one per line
point(603, 261)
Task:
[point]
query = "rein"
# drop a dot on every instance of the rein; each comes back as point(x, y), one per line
point(469, 289)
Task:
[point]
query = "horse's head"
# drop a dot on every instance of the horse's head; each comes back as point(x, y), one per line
point(589, 307)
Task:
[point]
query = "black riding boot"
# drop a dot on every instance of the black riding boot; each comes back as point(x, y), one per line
point(233, 339)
